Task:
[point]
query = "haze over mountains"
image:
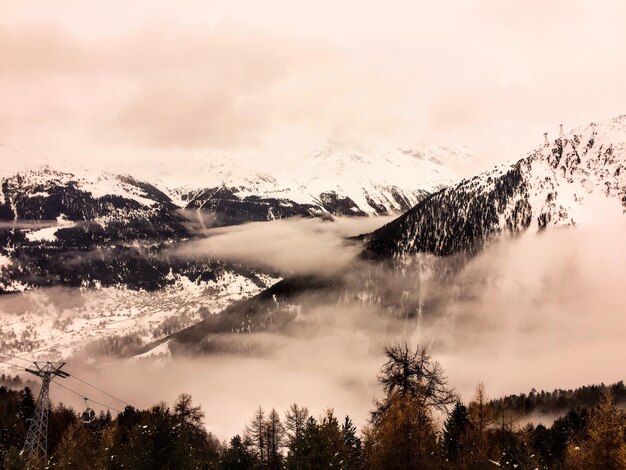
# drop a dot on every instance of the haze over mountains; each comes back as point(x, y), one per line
point(79, 228)
point(577, 180)
point(45, 210)
point(97, 265)
point(85, 229)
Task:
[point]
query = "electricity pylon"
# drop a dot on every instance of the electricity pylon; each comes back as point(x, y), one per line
point(36, 444)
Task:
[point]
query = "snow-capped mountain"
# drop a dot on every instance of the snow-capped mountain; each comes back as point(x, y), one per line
point(95, 244)
point(559, 184)
point(79, 227)
point(87, 229)
point(107, 237)
point(576, 179)
point(328, 182)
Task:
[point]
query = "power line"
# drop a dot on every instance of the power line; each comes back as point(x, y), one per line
point(84, 397)
point(75, 392)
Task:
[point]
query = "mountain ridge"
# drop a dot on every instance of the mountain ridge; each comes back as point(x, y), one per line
point(554, 185)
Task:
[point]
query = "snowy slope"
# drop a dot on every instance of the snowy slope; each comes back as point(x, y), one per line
point(58, 323)
point(576, 179)
point(330, 181)
point(80, 228)
point(104, 238)
point(76, 227)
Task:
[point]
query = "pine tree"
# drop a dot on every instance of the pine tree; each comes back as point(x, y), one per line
point(27, 405)
point(455, 429)
point(352, 458)
point(332, 439)
point(320, 447)
point(237, 456)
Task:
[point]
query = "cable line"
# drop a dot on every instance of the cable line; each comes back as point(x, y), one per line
point(100, 390)
point(15, 357)
point(14, 365)
point(70, 375)
point(84, 397)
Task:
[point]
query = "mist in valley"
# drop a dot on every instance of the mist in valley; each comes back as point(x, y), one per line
point(531, 311)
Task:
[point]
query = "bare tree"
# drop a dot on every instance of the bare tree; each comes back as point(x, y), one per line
point(274, 438)
point(415, 375)
point(186, 412)
point(256, 434)
point(295, 422)
point(403, 430)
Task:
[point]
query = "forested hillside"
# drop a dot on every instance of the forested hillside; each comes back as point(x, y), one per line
point(418, 422)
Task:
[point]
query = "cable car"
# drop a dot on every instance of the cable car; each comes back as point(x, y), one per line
point(88, 415)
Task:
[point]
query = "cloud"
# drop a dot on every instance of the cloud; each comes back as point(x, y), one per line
point(542, 311)
point(290, 246)
point(27, 224)
point(539, 311)
point(104, 87)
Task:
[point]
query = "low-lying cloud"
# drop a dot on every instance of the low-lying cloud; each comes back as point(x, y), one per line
point(289, 246)
point(543, 311)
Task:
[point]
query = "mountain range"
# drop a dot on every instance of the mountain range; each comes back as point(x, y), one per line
point(100, 243)
point(577, 179)
point(99, 230)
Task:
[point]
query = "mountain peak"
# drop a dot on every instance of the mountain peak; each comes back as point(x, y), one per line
point(557, 184)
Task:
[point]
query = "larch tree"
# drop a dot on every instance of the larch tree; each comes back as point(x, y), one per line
point(403, 433)
point(481, 421)
point(256, 435)
point(295, 423)
point(604, 445)
point(274, 438)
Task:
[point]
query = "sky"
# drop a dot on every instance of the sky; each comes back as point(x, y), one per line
point(131, 84)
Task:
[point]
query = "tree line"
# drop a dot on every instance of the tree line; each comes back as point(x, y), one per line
point(559, 400)
point(419, 423)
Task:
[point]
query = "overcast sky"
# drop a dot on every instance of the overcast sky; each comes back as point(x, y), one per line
point(121, 82)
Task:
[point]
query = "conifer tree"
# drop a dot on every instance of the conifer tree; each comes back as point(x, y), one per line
point(78, 448)
point(402, 435)
point(237, 456)
point(256, 435)
point(295, 422)
point(352, 458)
point(454, 431)
point(604, 445)
point(478, 442)
point(274, 438)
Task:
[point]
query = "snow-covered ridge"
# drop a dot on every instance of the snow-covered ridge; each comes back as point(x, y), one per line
point(366, 182)
point(95, 182)
point(333, 181)
point(578, 178)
